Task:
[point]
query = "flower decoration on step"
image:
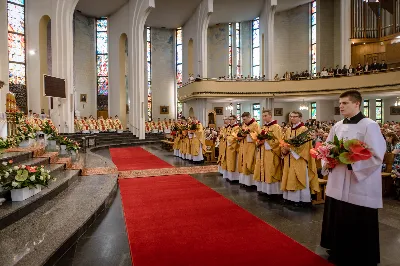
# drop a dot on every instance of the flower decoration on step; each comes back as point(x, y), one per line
point(341, 151)
point(48, 128)
point(21, 176)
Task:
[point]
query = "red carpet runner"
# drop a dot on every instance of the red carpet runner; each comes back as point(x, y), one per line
point(177, 221)
point(136, 158)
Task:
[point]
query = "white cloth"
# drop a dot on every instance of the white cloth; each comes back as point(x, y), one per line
point(246, 179)
point(176, 153)
point(267, 147)
point(233, 176)
point(363, 185)
point(198, 158)
point(248, 138)
point(222, 171)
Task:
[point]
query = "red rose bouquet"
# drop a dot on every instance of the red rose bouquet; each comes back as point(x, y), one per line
point(341, 152)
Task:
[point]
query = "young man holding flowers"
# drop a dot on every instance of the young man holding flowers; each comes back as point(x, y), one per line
point(300, 177)
point(232, 173)
point(354, 191)
point(268, 169)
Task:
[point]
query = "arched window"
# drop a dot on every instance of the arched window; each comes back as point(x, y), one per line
point(102, 56)
point(16, 41)
point(256, 47)
point(179, 68)
point(230, 51)
point(314, 38)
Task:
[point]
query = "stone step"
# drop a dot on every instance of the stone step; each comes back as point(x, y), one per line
point(11, 212)
point(17, 157)
point(44, 235)
point(35, 161)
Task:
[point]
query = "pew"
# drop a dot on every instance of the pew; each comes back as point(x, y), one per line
point(320, 199)
point(387, 179)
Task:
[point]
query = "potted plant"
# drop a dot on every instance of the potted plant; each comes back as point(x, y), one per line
point(26, 135)
point(48, 129)
point(73, 147)
point(64, 141)
point(23, 181)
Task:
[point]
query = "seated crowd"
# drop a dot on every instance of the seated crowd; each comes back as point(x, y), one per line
point(92, 125)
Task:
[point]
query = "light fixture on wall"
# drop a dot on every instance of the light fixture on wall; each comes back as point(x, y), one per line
point(229, 108)
point(32, 52)
point(397, 103)
point(303, 106)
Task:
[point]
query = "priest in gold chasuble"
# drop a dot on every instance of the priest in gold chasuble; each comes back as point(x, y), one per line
point(222, 147)
point(232, 173)
point(268, 169)
point(198, 146)
point(300, 178)
point(250, 126)
point(177, 138)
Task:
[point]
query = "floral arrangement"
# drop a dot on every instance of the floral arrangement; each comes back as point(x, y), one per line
point(26, 131)
point(73, 146)
point(193, 126)
point(341, 151)
point(64, 140)
point(48, 128)
point(298, 140)
point(265, 135)
point(15, 177)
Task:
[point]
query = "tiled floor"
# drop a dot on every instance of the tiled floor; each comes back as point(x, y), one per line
point(106, 242)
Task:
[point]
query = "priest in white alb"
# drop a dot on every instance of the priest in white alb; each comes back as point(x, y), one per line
point(350, 229)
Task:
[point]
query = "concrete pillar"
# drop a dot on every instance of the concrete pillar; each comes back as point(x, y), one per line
point(345, 34)
point(267, 19)
point(195, 30)
point(138, 12)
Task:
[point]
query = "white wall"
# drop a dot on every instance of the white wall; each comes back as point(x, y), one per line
point(325, 34)
point(218, 51)
point(163, 72)
point(289, 107)
point(85, 81)
point(292, 40)
point(325, 110)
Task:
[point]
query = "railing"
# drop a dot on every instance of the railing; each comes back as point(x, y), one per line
point(386, 81)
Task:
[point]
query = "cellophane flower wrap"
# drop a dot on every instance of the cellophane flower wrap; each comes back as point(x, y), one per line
point(341, 151)
point(298, 140)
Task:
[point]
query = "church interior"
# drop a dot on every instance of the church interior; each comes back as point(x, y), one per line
point(201, 132)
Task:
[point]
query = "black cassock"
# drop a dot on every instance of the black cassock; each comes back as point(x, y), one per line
point(350, 231)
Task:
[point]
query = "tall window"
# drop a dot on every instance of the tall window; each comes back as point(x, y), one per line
point(313, 110)
point(238, 56)
point(179, 68)
point(256, 47)
point(366, 108)
point(314, 38)
point(102, 56)
point(257, 112)
point(379, 114)
point(16, 41)
point(148, 53)
point(230, 49)
point(238, 112)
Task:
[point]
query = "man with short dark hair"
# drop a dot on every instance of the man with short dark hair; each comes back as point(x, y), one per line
point(354, 192)
point(268, 169)
point(300, 177)
point(248, 150)
point(232, 173)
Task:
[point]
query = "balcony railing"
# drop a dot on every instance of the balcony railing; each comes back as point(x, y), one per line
point(387, 81)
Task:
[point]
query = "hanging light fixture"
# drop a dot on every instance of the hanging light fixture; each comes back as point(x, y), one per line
point(303, 106)
point(229, 107)
point(397, 103)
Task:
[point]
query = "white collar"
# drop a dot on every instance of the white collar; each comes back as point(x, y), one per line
point(293, 126)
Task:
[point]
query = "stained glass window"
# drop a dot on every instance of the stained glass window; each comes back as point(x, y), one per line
point(314, 110)
point(16, 42)
point(238, 112)
point(256, 47)
point(102, 56)
point(366, 108)
point(379, 108)
point(238, 55)
point(314, 38)
point(179, 58)
point(257, 112)
point(230, 50)
point(149, 94)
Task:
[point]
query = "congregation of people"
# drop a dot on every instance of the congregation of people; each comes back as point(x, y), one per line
point(92, 125)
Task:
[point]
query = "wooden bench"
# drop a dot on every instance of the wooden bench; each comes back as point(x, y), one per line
point(387, 179)
point(322, 182)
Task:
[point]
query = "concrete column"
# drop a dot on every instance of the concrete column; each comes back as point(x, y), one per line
point(267, 19)
point(345, 34)
point(195, 29)
point(138, 12)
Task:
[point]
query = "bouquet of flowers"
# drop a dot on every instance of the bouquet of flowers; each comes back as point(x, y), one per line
point(193, 126)
point(73, 146)
point(25, 131)
point(298, 140)
point(48, 128)
point(23, 176)
point(341, 151)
